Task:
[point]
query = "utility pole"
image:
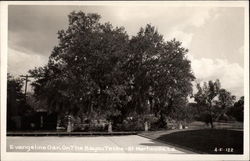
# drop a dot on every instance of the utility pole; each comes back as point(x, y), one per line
point(25, 93)
point(26, 83)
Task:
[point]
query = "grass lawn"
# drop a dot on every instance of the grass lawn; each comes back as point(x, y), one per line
point(211, 141)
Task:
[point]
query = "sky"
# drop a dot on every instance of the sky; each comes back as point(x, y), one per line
point(213, 35)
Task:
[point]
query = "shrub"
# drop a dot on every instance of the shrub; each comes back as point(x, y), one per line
point(134, 124)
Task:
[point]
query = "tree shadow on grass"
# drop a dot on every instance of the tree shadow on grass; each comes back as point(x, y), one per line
point(210, 141)
point(168, 147)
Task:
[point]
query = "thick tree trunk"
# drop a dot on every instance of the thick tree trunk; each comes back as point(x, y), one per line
point(211, 117)
point(211, 121)
point(162, 122)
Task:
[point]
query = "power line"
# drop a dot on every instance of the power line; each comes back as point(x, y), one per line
point(26, 82)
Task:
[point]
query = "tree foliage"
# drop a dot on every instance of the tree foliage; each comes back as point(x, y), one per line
point(14, 89)
point(97, 70)
point(237, 111)
point(159, 73)
point(215, 99)
point(16, 101)
point(84, 69)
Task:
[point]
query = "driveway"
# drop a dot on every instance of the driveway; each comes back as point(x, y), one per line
point(90, 144)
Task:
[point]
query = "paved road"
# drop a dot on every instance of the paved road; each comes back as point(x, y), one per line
point(90, 144)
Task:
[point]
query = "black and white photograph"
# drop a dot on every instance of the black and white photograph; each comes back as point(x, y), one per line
point(130, 80)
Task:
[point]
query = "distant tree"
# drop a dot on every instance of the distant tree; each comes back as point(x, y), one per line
point(224, 102)
point(206, 95)
point(216, 100)
point(237, 111)
point(14, 88)
point(16, 102)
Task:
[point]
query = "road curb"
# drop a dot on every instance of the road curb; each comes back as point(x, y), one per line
point(70, 133)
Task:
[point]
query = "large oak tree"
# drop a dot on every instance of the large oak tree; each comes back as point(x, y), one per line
point(98, 70)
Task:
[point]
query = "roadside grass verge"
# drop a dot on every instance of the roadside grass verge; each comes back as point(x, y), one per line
point(210, 141)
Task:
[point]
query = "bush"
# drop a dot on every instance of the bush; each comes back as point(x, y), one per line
point(237, 113)
point(134, 124)
point(225, 118)
point(204, 117)
point(91, 128)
